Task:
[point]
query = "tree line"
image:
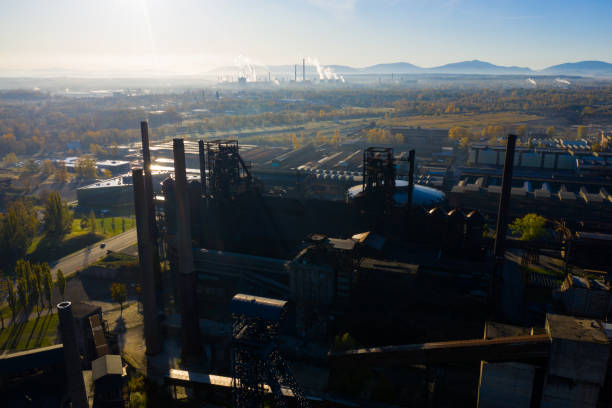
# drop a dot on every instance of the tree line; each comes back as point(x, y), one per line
point(19, 225)
point(33, 287)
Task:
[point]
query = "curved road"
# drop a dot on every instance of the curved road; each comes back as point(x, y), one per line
point(80, 259)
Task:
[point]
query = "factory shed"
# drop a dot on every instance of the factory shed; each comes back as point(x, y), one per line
point(577, 362)
point(585, 297)
point(15, 363)
point(108, 374)
point(506, 384)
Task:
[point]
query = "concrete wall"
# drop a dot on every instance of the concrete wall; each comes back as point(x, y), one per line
point(505, 385)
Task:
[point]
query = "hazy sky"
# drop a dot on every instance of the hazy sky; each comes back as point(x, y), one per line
point(193, 36)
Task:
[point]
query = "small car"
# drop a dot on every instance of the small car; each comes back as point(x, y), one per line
point(102, 245)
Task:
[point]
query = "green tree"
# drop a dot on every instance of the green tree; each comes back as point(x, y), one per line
point(47, 168)
point(550, 131)
point(37, 279)
point(12, 298)
point(3, 296)
point(22, 292)
point(122, 224)
point(31, 167)
point(18, 227)
point(61, 174)
point(119, 294)
point(48, 286)
point(57, 217)
point(85, 168)
point(92, 222)
point(530, 227)
point(521, 130)
point(61, 282)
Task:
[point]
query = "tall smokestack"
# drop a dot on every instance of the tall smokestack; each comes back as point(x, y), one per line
point(186, 277)
point(504, 199)
point(202, 166)
point(303, 69)
point(72, 359)
point(411, 158)
point(295, 72)
point(148, 195)
point(146, 259)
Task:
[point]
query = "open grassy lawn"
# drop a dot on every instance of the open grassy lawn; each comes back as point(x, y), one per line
point(117, 260)
point(44, 250)
point(468, 120)
point(37, 332)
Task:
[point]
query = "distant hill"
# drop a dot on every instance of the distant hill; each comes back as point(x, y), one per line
point(474, 67)
point(478, 67)
point(392, 68)
point(588, 68)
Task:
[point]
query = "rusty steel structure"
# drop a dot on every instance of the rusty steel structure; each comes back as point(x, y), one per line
point(257, 366)
point(226, 173)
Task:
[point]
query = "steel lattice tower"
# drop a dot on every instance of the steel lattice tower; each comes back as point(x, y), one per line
point(257, 366)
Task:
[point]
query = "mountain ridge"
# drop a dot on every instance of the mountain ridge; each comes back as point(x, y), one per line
point(584, 68)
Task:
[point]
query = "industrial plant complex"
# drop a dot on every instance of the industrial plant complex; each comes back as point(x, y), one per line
point(260, 266)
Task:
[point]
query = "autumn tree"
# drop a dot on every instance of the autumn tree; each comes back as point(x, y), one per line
point(581, 132)
point(320, 138)
point(521, 130)
point(61, 174)
point(57, 217)
point(119, 293)
point(458, 132)
point(9, 160)
point(85, 168)
point(47, 168)
point(294, 141)
point(336, 137)
point(550, 131)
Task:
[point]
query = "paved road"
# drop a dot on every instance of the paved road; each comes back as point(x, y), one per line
point(80, 259)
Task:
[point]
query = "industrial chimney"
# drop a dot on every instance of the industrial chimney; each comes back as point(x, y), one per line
point(72, 359)
point(304, 69)
point(186, 277)
point(147, 260)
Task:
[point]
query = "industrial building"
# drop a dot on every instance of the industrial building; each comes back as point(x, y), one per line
point(259, 278)
point(566, 181)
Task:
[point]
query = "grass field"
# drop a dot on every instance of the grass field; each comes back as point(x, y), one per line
point(37, 332)
point(476, 120)
point(45, 250)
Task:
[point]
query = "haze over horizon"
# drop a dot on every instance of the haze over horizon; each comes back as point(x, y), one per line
point(194, 37)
